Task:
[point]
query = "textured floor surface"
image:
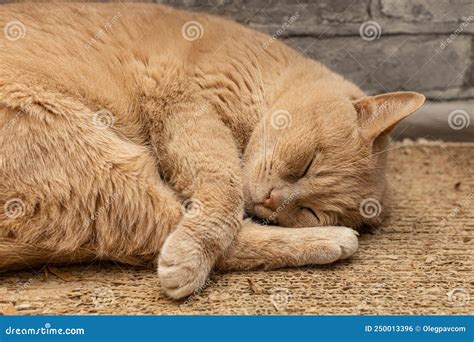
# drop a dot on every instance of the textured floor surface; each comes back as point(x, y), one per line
point(419, 262)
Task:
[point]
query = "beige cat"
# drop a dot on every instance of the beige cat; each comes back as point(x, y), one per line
point(113, 118)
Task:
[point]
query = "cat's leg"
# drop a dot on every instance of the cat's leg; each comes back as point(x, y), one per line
point(267, 247)
point(199, 159)
point(17, 255)
point(72, 189)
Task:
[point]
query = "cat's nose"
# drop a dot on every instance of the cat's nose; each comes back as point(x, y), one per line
point(271, 201)
point(268, 203)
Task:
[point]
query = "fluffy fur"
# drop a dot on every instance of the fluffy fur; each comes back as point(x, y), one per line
point(186, 121)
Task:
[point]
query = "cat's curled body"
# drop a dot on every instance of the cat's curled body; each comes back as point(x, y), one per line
point(112, 117)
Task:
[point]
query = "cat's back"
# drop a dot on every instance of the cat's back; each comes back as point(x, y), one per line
point(105, 52)
point(94, 39)
point(88, 31)
point(76, 47)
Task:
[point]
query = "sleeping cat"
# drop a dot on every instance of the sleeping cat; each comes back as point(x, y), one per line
point(141, 134)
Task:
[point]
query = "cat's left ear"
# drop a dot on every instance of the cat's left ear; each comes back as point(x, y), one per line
point(379, 114)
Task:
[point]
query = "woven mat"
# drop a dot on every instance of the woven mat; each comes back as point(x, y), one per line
point(418, 262)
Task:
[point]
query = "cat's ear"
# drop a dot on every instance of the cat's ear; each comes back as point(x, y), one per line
point(379, 114)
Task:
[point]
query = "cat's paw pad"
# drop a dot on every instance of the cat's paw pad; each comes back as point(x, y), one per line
point(182, 267)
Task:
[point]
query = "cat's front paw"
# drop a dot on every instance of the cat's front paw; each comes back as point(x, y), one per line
point(343, 240)
point(183, 267)
point(325, 245)
point(346, 239)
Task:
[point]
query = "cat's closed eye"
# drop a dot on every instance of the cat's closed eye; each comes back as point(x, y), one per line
point(310, 212)
point(301, 172)
point(308, 166)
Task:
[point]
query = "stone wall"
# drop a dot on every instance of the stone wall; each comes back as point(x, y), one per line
point(382, 45)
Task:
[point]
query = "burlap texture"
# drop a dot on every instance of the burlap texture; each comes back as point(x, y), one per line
point(418, 262)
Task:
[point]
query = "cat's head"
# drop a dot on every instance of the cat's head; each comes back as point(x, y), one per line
point(320, 159)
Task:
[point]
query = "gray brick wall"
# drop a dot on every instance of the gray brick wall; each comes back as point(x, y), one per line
point(421, 45)
point(409, 48)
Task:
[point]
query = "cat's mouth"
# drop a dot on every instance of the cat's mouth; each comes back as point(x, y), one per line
point(261, 214)
point(255, 208)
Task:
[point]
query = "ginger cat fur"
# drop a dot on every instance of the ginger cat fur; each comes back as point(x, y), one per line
point(144, 146)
